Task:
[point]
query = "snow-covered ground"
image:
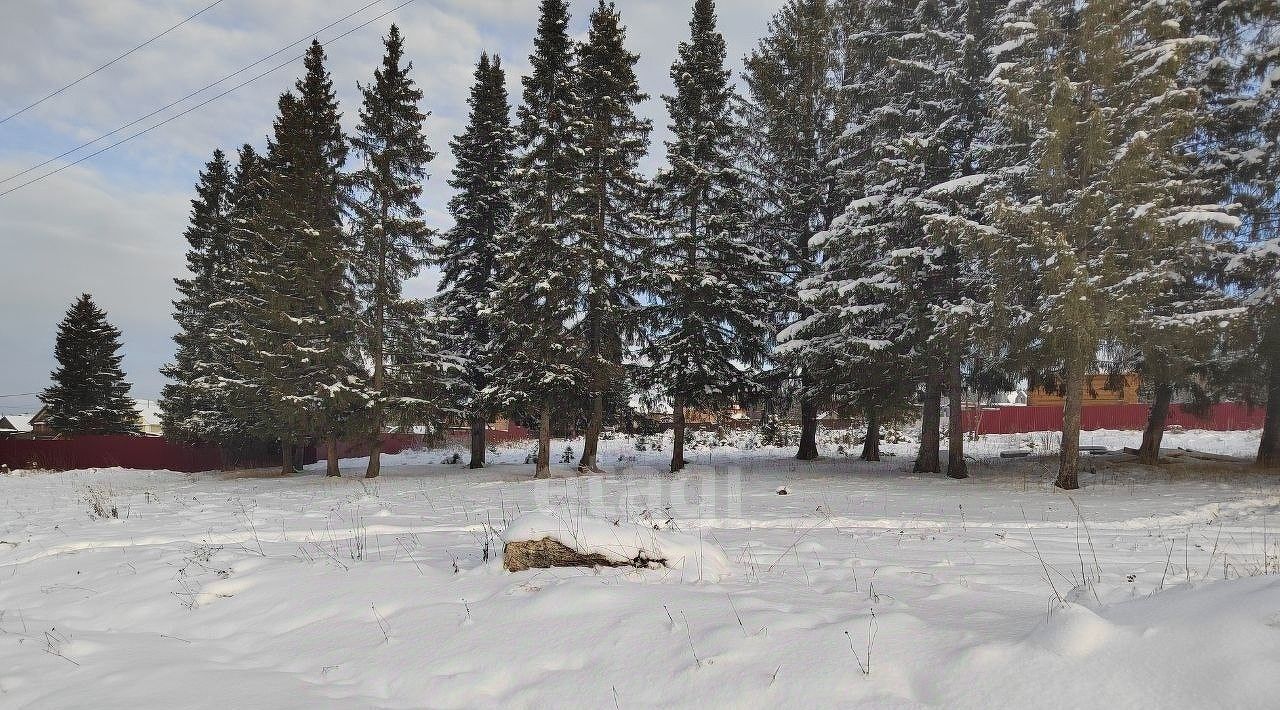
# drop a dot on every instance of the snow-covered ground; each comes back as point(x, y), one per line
point(864, 586)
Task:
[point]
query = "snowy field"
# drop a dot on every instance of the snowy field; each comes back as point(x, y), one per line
point(864, 586)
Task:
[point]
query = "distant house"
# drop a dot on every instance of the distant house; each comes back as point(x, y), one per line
point(148, 419)
point(40, 423)
point(15, 425)
point(497, 423)
point(1095, 392)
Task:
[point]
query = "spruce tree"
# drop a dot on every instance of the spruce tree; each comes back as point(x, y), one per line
point(855, 333)
point(392, 240)
point(468, 255)
point(919, 157)
point(302, 350)
point(902, 146)
point(1177, 342)
point(89, 394)
point(241, 411)
point(1243, 94)
point(797, 113)
point(540, 368)
point(711, 284)
point(188, 403)
point(1110, 203)
point(606, 208)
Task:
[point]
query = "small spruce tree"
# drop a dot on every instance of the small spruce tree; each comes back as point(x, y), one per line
point(89, 394)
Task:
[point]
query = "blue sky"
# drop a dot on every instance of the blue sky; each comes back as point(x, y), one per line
point(112, 225)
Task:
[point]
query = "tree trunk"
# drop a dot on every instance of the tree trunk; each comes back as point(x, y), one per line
point(1269, 447)
point(871, 443)
point(1149, 452)
point(591, 442)
point(677, 434)
point(1069, 457)
point(927, 459)
point(375, 450)
point(377, 352)
point(375, 459)
point(286, 458)
point(956, 466)
point(808, 428)
point(595, 326)
point(331, 452)
point(478, 426)
point(543, 466)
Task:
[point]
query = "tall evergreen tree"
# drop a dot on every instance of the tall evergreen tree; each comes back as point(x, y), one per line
point(241, 408)
point(606, 207)
point(1177, 341)
point(1244, 98)
point(468, 256)
point(188, 403)
point(918, 157)
point(709, 322)
point(1109, 205)
point(89, 394)
point(797, 112)
point(392, 240)
point(539, 368)
point(302, 350)
point(857, 323)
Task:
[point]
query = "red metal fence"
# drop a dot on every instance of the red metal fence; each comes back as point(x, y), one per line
point(391, 444)
point(155, 453)
point(140, 452)
point(1125, 417)
point(103, 451)
point(493, 436)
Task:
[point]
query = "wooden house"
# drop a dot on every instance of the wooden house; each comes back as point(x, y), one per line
point(1096, 392)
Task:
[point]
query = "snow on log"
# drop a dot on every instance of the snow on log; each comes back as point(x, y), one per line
point(541, 540)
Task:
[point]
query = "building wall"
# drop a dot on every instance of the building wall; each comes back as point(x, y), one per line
point(1095, 393)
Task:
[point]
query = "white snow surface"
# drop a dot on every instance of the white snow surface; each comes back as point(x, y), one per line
point(1148, 588)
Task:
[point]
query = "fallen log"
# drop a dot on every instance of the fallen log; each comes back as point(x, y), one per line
point(545, 540)
point(1180, 453)
point(548, 552)
point(1207, 456)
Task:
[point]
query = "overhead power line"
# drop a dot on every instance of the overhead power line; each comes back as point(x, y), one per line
point(198, 106)
point(201, 90)
point(32, 105)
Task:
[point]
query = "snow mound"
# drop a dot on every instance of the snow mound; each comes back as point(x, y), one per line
point(1074, 632)
point(621, 541)
point(1202, 645)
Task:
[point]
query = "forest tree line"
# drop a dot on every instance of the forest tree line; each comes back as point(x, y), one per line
point(897, 203)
